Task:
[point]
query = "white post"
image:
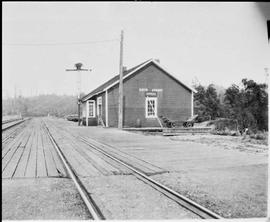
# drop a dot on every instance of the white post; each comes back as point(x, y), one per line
point(192, 103)
point(87, 113)
point(106, 108)
point(79, 92)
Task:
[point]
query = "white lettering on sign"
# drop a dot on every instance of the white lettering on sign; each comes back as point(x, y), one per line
point(143, 89)
point(151, 94)
point(157, 90)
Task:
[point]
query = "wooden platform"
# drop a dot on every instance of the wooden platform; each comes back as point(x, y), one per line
point(83, 157)
point(31, 154)
point(182, 130)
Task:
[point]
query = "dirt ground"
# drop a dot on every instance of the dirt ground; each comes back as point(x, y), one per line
point(228, 192)
point(243, 144)
point(226, 174)
point(43, 198)
point(239, 191)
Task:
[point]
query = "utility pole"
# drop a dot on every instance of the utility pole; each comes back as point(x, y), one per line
point(266, 75)
point(120, 109)
point(78, 67)
point(15, 101)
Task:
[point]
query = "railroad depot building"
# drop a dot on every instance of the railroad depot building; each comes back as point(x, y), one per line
point(149, 91)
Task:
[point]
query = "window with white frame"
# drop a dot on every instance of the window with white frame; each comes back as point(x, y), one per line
point(150, 107)
point(91, 108)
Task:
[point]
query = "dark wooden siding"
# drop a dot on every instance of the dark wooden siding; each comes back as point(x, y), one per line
point(91, 121)
point(113, 107)
point(174, 101)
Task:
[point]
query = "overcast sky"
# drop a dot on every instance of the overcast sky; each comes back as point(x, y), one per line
point(218, 43)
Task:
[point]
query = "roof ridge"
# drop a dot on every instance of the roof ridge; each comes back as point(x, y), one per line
point(114, 78)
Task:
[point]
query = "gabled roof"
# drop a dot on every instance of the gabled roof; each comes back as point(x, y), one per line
point(115, 80)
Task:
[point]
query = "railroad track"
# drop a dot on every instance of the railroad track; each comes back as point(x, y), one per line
point(11, 123)
point(185, 202)
point(10, 120)
point(11, 128)
point(89, 202)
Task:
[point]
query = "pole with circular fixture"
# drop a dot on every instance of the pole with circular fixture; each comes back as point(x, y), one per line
point(78, 67)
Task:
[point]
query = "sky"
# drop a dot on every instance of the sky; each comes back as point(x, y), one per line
point(218, 43)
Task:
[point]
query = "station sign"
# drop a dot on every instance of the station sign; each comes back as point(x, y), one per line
point(150, 94)
point(143, 89)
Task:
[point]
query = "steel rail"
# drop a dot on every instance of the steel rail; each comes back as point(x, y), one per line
point(16, 123)
point(187, 203)
point(10, 120)
point(90, 204)
point(197, 209)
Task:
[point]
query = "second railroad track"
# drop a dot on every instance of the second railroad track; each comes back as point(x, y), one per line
point(185, 202)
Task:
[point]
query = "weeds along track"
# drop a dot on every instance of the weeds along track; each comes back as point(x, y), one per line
point(185, 202)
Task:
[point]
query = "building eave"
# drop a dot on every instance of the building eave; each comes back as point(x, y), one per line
point(84, 99)
point(157, 64)
point(134, 71)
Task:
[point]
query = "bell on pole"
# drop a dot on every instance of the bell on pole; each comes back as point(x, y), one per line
point(78, 66)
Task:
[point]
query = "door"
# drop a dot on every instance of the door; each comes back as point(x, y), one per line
point(99, 110)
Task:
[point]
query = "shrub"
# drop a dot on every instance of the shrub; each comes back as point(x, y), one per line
point(224, 124)
point(259, 136)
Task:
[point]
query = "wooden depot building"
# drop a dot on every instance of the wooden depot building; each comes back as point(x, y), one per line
point(149, 91)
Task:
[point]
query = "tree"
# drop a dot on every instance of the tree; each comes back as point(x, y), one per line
point(212, 102)
point(42, 105)
point(206, 102)
point(249, 104)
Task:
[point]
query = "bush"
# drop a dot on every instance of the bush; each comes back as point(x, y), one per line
point(259, 136)
point(226, 132)
point(224, 124)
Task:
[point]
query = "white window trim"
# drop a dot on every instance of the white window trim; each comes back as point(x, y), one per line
point(94, 108)
point(146, 107)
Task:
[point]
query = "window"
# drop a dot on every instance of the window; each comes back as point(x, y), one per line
point(91, 108)
point(151, 107)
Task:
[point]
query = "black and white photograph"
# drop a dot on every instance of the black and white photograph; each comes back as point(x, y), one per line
point(135, 110)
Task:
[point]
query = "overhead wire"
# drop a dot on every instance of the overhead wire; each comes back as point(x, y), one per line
point(59, 43)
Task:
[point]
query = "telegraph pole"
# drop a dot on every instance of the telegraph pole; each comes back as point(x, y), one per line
point(79, 69)
point(266, 75)
point(15, 102)
point(120, 109)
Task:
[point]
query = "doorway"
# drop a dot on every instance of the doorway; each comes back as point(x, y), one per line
point(99, 110)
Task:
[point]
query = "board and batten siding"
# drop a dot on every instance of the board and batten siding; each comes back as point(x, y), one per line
point(174, 101)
